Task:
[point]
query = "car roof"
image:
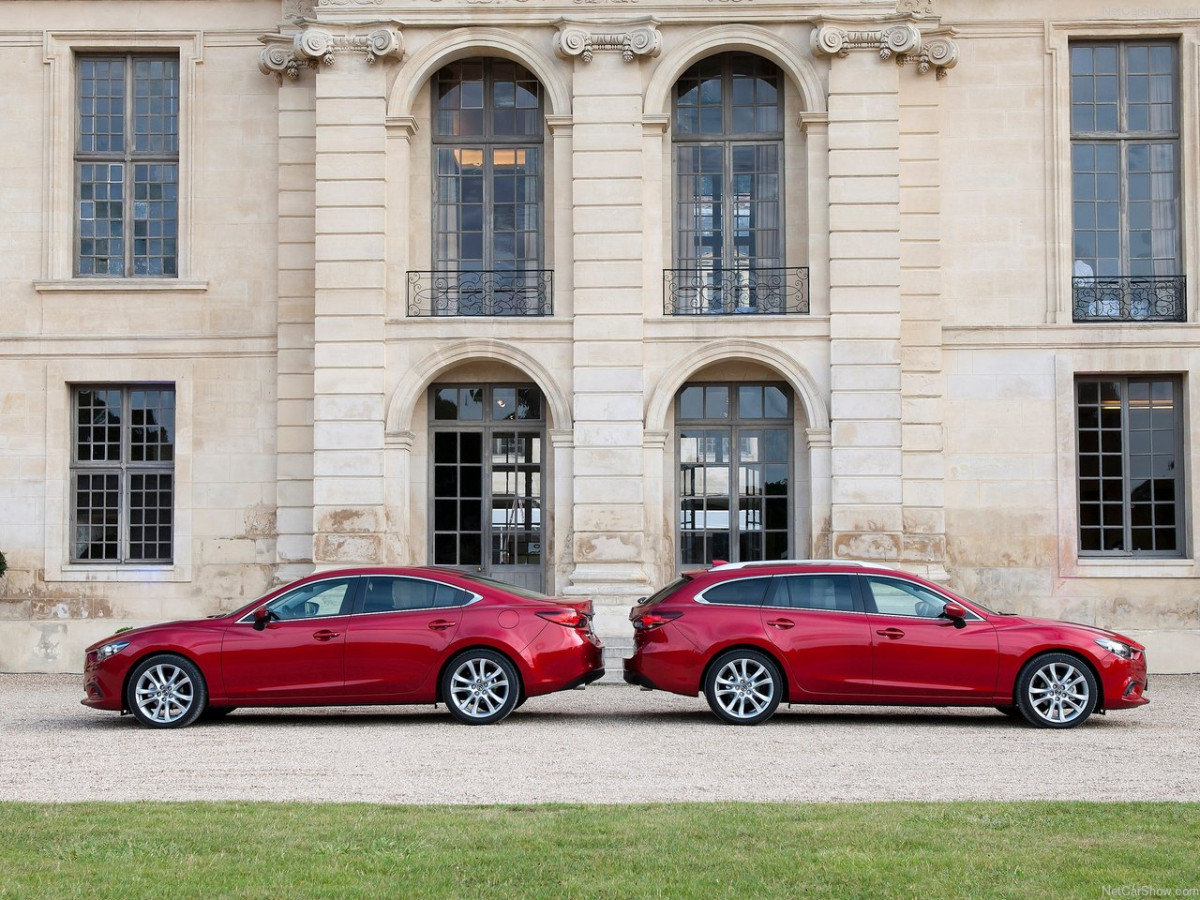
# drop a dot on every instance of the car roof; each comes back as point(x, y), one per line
point(784, 566)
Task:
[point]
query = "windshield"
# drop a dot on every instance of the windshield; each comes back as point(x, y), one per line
point(527, 593)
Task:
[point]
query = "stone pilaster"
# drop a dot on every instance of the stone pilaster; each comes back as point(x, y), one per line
point(608, 542)
point(350, 522)
point(864, 301)
point(294, 336)
point(888, 492)
point(921, 364)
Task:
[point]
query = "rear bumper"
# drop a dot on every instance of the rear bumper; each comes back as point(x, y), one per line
point(585, 679)
point(561, 659)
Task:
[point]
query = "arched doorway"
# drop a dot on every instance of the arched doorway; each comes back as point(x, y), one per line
point(488, 478)
point(735, 463)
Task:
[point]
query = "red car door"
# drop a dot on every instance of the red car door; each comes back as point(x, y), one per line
point(919, 655)
point(825, 641)
point(397, 643)
point(299, 655)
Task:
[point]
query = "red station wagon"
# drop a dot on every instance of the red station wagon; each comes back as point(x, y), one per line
point(353, 637)
point(753, 635)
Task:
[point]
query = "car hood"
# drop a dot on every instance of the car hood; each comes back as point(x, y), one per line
point(212, 624)
point(1011, 621)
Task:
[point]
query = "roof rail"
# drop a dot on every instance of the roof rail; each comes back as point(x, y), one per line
point(719, 564)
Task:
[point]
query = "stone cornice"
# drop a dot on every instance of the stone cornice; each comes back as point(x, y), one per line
point(311, 47)
point(404, 126)
point(903, 41)
point(813, 121)
point(584, 39)
point(560, 124)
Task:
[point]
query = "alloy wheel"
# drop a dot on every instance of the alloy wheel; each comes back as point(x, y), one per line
point(743, 687)
point(481, 687)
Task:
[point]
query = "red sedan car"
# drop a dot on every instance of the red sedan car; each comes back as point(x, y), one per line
point(754, 635)
point(354, 637)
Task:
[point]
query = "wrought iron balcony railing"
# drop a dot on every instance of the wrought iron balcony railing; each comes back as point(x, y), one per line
point(1136, 298)
point(490, 292)
point(728, 292)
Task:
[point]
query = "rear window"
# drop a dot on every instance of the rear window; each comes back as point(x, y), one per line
point(738, 592)
point(527, 593)
point(663, 593)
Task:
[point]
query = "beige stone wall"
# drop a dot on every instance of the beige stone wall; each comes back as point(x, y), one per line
point(212, 332)
point(932, 377)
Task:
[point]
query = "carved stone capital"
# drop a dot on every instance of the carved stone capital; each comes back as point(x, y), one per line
point(312, 47)
point(902, 41)
point(580, 39)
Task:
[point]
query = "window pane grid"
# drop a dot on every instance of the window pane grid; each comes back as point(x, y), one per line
point(102, 105)
point(728, 212)
point(127, 169)
point(1129, 440)
point(156, 105)
point(488, 215)
point(1125, 173)
point(123, 474)
point(487, 475)
point(734, 480)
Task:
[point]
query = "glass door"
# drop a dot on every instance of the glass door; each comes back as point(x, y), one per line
point(488, 481)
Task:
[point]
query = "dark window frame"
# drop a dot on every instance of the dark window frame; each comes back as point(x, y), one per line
point(1105, 476)
point(489, 423)
point(488, 142)
point(733, 65)
point(124, 477)
point(1148, 281)
point(735, 423)
point(141, 232)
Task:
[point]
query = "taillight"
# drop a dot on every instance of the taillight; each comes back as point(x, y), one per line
point(651, 620)
point(568, 618)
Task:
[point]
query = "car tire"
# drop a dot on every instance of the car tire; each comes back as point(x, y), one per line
point(480, 687)
point(1056, 690)
point(743, 687)
point(166, 691)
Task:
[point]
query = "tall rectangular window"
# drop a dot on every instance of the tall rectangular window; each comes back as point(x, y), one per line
point(123, 473)
point(127, 166)
point(1130, 439)
point(728, 149)
point(1125, 181)
point(488, 215)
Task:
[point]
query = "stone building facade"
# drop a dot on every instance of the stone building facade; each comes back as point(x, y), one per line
point(581, 293)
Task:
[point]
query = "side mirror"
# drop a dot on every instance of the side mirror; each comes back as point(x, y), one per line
point(261, 618)
point(956, 613)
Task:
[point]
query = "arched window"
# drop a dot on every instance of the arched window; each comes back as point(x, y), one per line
point(728, 158)
point(735, 463)
point(488, 191)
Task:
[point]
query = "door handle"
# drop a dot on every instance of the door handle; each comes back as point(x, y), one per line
point(440, 625)
point(891, 633)
point(326, 635)
point(782, 623)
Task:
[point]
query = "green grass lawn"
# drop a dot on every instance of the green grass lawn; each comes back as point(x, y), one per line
point(210, 850)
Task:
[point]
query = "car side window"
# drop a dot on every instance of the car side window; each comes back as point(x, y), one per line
point(389, 594)
point(315, 600)
point(901, 598)
point(826, 592)
point(738, 592)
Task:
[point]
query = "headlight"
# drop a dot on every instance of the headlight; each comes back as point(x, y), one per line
point(110, 650)
point(1120, 648)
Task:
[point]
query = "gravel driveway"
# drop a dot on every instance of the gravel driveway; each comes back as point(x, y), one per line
point(608, 744)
